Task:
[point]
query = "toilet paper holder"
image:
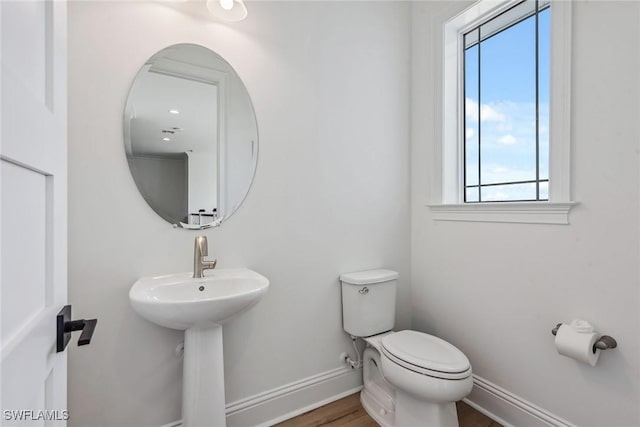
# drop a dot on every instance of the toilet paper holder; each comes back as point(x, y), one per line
point(605, 342)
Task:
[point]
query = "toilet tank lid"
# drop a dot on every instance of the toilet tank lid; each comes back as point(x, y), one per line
point(369, 277)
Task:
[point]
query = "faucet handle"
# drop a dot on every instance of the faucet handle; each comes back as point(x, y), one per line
point(209, 265)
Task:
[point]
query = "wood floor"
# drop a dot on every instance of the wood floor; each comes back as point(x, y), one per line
point(349, 412)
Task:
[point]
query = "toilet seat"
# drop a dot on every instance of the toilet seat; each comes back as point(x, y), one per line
point(375, 341)
point(426, 355)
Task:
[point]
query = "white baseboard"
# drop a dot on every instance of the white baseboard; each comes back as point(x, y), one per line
point(281, 403)
point(310, 407)
point(287, 401)
point(508, 409)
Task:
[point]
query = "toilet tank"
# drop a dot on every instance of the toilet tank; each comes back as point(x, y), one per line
point(368, 302)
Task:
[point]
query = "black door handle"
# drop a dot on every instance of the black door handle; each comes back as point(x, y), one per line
point(65, 326)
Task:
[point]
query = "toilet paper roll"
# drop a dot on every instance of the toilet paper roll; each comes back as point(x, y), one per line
point(577, 343)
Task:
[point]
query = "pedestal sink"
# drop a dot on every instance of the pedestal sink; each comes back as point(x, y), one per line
point(199, 306)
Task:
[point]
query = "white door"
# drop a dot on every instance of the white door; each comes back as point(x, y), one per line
point(33, 211)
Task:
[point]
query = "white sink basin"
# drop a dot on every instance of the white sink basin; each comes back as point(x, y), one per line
point(199, 307)
point(179, 301)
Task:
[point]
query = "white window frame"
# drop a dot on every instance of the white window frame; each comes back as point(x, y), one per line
point(451, 206)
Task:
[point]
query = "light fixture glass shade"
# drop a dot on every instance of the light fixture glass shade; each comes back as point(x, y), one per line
point(226, 4)
point(236, 13)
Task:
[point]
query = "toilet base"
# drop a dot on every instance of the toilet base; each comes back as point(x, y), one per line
point(377, 396)
point(392, 407)
point(411, 412)
point(376, 410)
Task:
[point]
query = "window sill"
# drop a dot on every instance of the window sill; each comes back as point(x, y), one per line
point(513, 212)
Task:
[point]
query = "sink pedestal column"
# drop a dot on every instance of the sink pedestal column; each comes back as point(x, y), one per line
point(203, 403)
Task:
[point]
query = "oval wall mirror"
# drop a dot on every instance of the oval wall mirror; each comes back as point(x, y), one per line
point(190, 135)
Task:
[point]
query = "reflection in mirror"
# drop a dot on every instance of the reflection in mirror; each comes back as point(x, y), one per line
point(190, 136)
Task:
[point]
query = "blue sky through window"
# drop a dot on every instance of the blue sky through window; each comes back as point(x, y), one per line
point(500, 112)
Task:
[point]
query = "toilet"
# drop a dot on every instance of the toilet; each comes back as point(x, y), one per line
point(410, 378)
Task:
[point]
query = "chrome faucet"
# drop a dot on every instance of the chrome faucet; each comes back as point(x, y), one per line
point(201, 250)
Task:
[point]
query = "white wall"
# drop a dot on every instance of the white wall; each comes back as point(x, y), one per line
point(496, 290)
point(330, 85)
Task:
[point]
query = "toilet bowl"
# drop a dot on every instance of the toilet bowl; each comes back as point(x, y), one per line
point(413, 379)
point(410, 378)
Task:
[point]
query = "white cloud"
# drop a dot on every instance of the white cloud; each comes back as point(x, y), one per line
point(471, 109)
point(470, 132)
point(500, 170)
point(488, 112)
point(506, 126)
point(505, 172)
point(507, 139)
point(508, 143)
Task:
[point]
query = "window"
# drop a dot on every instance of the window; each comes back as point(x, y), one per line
point(506, 106)
point(505, 115)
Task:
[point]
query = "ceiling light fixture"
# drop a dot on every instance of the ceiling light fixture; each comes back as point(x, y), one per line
point(166, 139)
point(227, 10)
point(226, 4)
point(174, 111)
